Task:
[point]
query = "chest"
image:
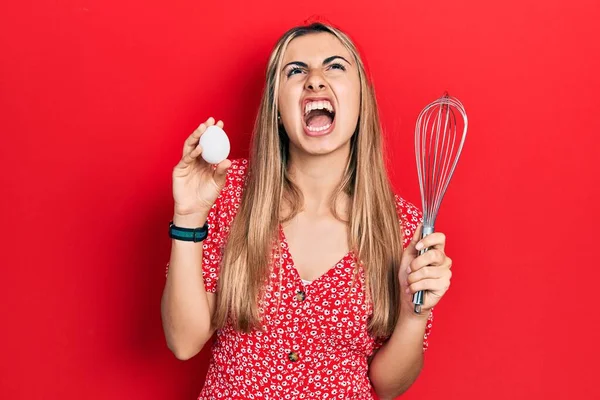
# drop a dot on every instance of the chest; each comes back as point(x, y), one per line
point(315, 246)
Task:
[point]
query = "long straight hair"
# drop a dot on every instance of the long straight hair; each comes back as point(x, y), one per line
point(374, 227)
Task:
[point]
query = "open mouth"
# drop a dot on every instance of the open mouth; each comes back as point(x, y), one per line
point(319, 116)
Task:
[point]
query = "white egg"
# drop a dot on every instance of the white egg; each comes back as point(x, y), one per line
point(215, 145)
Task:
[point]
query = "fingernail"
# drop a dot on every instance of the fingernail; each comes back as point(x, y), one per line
point(408, 271)
point(419, 246)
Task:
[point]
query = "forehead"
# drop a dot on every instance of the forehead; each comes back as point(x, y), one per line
point(314, 48)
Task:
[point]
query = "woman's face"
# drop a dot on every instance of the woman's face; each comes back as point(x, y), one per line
point(319, 94)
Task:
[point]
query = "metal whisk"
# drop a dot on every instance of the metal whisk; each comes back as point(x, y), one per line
point(439, 139)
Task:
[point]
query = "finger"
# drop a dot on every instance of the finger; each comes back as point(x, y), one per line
point(190, 157)
point(410, 249)
point(221, 171)
point(431, 285)
point(431, 257)
point(434, 240)
point(427, 273)
point(192, 141)
point(220, 124)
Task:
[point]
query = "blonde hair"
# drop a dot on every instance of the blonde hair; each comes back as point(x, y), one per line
point(375, 234)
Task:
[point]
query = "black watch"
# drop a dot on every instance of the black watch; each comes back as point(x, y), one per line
point(188, 234)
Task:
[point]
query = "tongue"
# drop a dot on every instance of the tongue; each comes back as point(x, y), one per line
point(318, 119)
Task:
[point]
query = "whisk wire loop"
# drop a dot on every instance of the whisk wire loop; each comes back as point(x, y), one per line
point(439, 139)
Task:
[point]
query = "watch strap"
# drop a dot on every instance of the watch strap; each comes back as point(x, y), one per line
point(188, 234)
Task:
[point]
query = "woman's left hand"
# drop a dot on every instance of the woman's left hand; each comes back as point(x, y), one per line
point(429, 271)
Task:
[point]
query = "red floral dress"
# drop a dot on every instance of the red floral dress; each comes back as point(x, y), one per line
point(314, 342)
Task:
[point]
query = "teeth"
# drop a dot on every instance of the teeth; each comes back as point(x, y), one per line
point(323, 128)
point(318, 105)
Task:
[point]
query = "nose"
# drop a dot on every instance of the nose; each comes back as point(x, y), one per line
point(315, 82)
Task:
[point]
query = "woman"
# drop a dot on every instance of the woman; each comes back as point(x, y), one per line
point(308, 268)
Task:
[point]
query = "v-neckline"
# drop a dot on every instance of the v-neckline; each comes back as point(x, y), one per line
point(297, 274)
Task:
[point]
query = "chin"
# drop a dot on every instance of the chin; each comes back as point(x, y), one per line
point(325, 144)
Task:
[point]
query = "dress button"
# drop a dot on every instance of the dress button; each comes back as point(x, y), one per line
point(293, 356)
point(300, 295)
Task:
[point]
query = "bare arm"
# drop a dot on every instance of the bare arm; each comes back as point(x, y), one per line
point(186, 307)
point(398, 363)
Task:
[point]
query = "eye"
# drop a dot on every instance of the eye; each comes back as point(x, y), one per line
point(293, 71)
point(337, 66)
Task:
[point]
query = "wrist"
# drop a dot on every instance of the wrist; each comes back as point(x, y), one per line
point(408, 315)
point(191, 221)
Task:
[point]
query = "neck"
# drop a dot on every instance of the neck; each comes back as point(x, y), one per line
point(317, 177)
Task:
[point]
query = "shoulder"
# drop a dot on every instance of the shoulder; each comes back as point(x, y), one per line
point(409, 216)
point(234, 182)
point(407, 211)
point(236, 174)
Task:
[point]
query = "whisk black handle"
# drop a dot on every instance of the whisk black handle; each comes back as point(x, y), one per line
point(419, 297)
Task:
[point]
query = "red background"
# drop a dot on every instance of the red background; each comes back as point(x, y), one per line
point(96, 99)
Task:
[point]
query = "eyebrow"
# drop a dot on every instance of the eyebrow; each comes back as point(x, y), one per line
point(325, 62)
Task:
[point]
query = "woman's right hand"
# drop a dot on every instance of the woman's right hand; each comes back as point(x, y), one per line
point(196, 183)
